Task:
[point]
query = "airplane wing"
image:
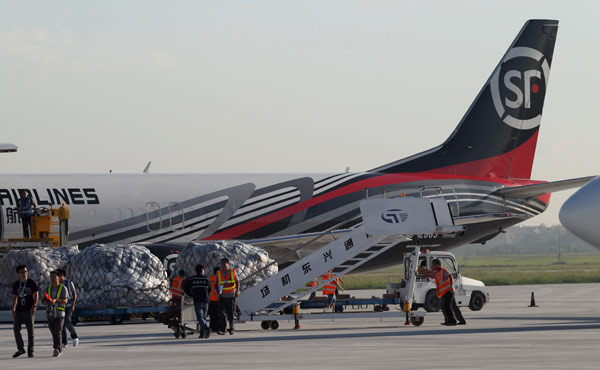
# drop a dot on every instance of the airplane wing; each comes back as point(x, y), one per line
point(528, 191)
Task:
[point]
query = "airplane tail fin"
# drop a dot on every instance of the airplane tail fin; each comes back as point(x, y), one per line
point(498, 134)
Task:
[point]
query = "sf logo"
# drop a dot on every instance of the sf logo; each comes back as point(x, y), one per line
point(394, 216)
point(526, 79)
point(516, 83)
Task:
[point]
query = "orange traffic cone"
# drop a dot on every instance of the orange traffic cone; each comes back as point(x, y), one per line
point(532, 304)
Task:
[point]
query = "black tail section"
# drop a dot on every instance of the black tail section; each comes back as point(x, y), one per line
point(498, 134)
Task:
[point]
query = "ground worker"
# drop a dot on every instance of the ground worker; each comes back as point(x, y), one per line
point(198, 286)
point(24, 303)
point(56, 298)
point(213, 305)
point(177, 287)
point(68, 325)
point(229, 290)
point(445, 291)
point(26, 208)
point(331, 289)
point(312, 284)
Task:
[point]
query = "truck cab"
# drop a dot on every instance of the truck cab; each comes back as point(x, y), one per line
point(468, 292)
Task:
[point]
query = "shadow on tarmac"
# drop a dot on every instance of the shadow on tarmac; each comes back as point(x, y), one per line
point(590, 323)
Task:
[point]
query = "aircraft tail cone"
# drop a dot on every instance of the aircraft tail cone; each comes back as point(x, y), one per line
point(532, 304)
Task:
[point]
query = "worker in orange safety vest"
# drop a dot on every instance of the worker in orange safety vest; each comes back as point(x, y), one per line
point(312, 284)
point(331, 289)
point(177, 287)
point(445, 292)
point(213, 305)
point(229, 289)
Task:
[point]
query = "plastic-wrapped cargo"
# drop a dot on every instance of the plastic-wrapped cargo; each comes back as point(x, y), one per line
point(39, 262)
point(245, 258)
point(118, 275)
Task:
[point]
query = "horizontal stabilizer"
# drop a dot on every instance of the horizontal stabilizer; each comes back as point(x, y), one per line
point(8, 148)
point(528, 191)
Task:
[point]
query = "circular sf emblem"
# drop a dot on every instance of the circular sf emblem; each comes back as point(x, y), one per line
point(518, 87)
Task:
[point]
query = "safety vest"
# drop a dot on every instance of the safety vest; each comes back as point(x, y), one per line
point(229, 282)
point(213, 296)
point(60, 287)
point(177, 287)
point(312, 284)
point(26, 207)
point(443, 285)
point(329, 288)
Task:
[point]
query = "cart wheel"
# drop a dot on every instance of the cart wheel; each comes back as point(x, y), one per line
point(274, 324)
point(183, 333)
point(176, 333)
point(417, 321)
point(265, 325)
point(116, 319)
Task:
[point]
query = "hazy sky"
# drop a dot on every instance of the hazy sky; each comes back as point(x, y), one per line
point(276, 86)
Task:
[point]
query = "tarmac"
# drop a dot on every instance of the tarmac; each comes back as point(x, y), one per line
point(562, 333)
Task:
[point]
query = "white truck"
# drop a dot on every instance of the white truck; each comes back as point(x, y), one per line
point(469, 292)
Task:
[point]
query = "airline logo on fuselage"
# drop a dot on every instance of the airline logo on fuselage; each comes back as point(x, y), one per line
point(51, 196)
point(518, 87)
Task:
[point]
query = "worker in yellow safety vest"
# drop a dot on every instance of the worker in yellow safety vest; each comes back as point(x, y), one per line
point(56, 298)
point(229, 289)
point(213, 305)
point(331, 289)
point(177, 287)
point(445, 292)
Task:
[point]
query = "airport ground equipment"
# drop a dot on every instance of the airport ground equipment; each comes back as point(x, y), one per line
point(116, 315)
point(469, 292)
point(386, 222)
point(49, 228)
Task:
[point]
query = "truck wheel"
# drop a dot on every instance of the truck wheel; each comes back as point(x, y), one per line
point(274, 325)
point(116, 319)
point(477, 301)
point(265, 325)
point(417, 321)
point(432, 302)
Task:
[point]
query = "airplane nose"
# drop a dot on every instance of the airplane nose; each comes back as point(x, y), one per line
point(580, 214)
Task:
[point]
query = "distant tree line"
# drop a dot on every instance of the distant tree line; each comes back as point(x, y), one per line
point(540, 239)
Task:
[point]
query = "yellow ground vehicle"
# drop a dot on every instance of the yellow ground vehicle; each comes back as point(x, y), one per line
point(49, 228)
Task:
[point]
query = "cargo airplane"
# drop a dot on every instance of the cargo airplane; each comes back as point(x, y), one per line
point(483, 170)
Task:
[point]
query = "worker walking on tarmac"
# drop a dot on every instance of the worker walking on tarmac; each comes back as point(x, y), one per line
point(331, 289)
point(56, 297)
point(445, 291)
point(68, 325)
point(213, 305)
point(198, 286)
point(229, 290)
point(177, 287)
point(26, 208)
point(25, 299)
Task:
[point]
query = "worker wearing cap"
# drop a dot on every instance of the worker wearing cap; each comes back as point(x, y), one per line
point(177, 287)
point(26, 208)
point(445, 291)
point(213, 305)
point(229, 290)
